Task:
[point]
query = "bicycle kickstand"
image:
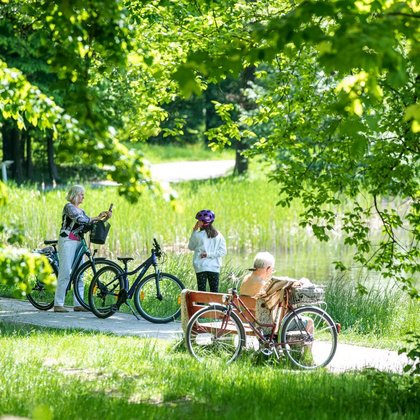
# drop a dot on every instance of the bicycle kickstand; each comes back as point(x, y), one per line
point(132, 311)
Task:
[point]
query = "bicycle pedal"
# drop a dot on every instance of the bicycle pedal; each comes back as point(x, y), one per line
point(267, 351)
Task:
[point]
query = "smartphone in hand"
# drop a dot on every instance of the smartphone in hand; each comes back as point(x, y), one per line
point(110, 207)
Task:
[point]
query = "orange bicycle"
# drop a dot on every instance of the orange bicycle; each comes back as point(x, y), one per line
point(307, 335)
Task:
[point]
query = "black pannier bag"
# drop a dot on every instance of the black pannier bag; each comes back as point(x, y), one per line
point(99, 232)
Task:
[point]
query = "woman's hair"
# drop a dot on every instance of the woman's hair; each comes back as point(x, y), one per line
point(210, 230)
point(74, 191)
point(263, 260)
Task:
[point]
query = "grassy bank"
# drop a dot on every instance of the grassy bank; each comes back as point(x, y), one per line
point(61, 375)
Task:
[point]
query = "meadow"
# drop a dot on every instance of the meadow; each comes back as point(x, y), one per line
point(46, 374)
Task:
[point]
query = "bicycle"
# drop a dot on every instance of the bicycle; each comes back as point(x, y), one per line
point(42, 296)
point(307, 334)
point(157, 297)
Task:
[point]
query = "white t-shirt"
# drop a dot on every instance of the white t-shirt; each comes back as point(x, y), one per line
point(215, 248)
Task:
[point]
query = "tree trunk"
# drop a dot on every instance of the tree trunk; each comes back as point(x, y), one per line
point(28, 162)
point(7, 142)
point(13, 149)
point(18, 155)
point(241, 162)
point(52, 168)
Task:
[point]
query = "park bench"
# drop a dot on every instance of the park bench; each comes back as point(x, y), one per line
point(192, 301)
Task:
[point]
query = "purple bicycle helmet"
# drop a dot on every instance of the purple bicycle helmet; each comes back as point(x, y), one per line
point(205, 216)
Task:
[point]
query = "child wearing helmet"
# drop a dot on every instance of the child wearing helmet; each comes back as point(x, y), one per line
point(209, 247)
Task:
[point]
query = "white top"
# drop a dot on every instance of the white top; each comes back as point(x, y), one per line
point(215, 248)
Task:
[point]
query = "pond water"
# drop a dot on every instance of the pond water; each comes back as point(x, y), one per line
point(313, 261)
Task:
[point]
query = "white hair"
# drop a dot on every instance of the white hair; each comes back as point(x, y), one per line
point(74, 191)
point(264, 260)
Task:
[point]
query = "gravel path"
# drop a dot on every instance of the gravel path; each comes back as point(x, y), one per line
point(347, 357)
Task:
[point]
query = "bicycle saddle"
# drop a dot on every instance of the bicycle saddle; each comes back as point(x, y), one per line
point(125, 259)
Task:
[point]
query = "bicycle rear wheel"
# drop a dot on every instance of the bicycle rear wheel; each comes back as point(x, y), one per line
point(309, 337)
point(42, 296)
point(83, 277)
point(161, 308)
point(104, 291)
point(213, 333)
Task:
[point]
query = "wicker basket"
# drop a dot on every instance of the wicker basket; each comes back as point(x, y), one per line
point(311, 294)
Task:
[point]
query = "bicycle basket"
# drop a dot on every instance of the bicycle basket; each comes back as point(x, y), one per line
point(99, 232)
point(311, 294)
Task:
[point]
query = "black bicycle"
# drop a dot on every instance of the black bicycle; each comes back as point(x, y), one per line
point(42, 296)
point(157, 297)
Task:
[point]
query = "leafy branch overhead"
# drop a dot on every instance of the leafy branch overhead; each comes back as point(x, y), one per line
point(337, 114)
point(332, 103)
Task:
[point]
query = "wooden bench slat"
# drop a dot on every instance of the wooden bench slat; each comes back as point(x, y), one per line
point(192, 301)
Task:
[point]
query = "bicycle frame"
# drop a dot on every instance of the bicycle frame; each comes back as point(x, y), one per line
point(144, 267)
point(283, 308)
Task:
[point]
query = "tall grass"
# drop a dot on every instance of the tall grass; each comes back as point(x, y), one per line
point(69, 374)
point(246, 214)
point(384, 312)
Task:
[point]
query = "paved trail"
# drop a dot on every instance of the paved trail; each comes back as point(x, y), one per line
point(347, 357)
point(187, 171)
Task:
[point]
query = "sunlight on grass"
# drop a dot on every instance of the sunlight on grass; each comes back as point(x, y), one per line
point(97, 376)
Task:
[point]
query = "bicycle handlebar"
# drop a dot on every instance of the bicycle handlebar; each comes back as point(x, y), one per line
point(157, 248)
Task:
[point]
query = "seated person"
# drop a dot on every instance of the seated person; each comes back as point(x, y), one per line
point(254, 283)
point(261, 283)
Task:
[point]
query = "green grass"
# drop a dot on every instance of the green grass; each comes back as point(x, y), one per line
point(380, 318)
point(70, 374)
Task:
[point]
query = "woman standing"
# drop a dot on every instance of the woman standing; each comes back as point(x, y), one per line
point(74, 220)
point(209, 247)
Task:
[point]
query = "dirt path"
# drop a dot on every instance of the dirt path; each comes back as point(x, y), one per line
point(347, 357)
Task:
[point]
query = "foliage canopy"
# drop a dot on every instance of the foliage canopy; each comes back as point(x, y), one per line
point(333, 107)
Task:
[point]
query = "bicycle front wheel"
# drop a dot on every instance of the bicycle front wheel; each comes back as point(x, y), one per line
point(104, 291)
point(42, 296)
point(212, 333)
point(309, 337)
point(83, 277)
point(161, 307)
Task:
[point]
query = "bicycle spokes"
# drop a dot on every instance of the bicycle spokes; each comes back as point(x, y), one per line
point(159, 301)
point(212, 333)
point(309, 337)
point(106, 292)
